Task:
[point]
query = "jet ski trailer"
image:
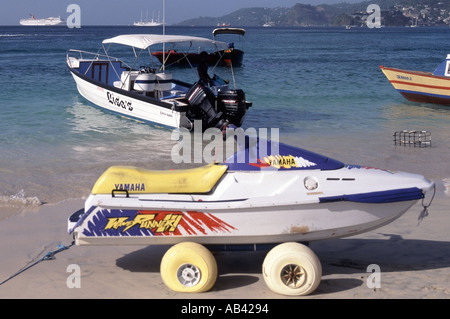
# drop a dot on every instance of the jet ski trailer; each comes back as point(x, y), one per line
point(288, 197)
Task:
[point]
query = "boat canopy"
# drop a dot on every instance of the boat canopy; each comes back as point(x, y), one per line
point(228, 31)
point(143, 41)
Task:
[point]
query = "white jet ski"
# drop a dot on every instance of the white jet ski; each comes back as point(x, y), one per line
point(290, 196)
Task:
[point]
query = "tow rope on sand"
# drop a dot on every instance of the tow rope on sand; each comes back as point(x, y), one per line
point(48, 256)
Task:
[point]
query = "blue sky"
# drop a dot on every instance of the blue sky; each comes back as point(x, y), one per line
point(123, 12)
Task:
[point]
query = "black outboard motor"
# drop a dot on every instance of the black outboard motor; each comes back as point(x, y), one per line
point(233, 104)
point(202, 102)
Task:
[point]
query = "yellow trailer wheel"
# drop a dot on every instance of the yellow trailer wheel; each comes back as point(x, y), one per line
point(189, 267)
point(292, 269)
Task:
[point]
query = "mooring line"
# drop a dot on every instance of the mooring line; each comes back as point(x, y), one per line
point(48, 256)
point(424, 212)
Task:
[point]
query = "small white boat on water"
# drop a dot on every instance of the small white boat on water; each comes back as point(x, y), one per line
point(150, 94)
point(289, 196)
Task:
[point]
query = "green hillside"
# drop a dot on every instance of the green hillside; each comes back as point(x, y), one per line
point(393, 13)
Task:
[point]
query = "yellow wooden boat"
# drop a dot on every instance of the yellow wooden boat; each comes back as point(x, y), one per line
point(423, 87)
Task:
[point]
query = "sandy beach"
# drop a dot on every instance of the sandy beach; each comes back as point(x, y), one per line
point(413, 260)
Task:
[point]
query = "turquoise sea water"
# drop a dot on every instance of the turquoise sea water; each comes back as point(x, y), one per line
point(322, 87)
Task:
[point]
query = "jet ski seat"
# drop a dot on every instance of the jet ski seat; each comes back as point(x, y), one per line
point(138, 180)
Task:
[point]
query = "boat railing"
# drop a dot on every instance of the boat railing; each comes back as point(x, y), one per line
point(91, 56)
point(73, 62)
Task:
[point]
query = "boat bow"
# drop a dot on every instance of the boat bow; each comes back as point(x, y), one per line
point(422, 87)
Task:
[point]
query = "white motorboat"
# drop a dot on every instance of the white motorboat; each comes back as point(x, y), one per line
point(289, 196)
point(152, 95)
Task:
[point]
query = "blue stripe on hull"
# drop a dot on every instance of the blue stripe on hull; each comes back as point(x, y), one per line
point(390, 196)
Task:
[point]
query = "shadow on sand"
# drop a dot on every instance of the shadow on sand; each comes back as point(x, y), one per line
point(340, 256)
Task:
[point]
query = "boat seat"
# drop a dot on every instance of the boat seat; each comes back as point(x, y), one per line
point(138, 180)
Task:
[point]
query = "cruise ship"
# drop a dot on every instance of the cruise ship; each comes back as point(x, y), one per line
point(33, 21)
